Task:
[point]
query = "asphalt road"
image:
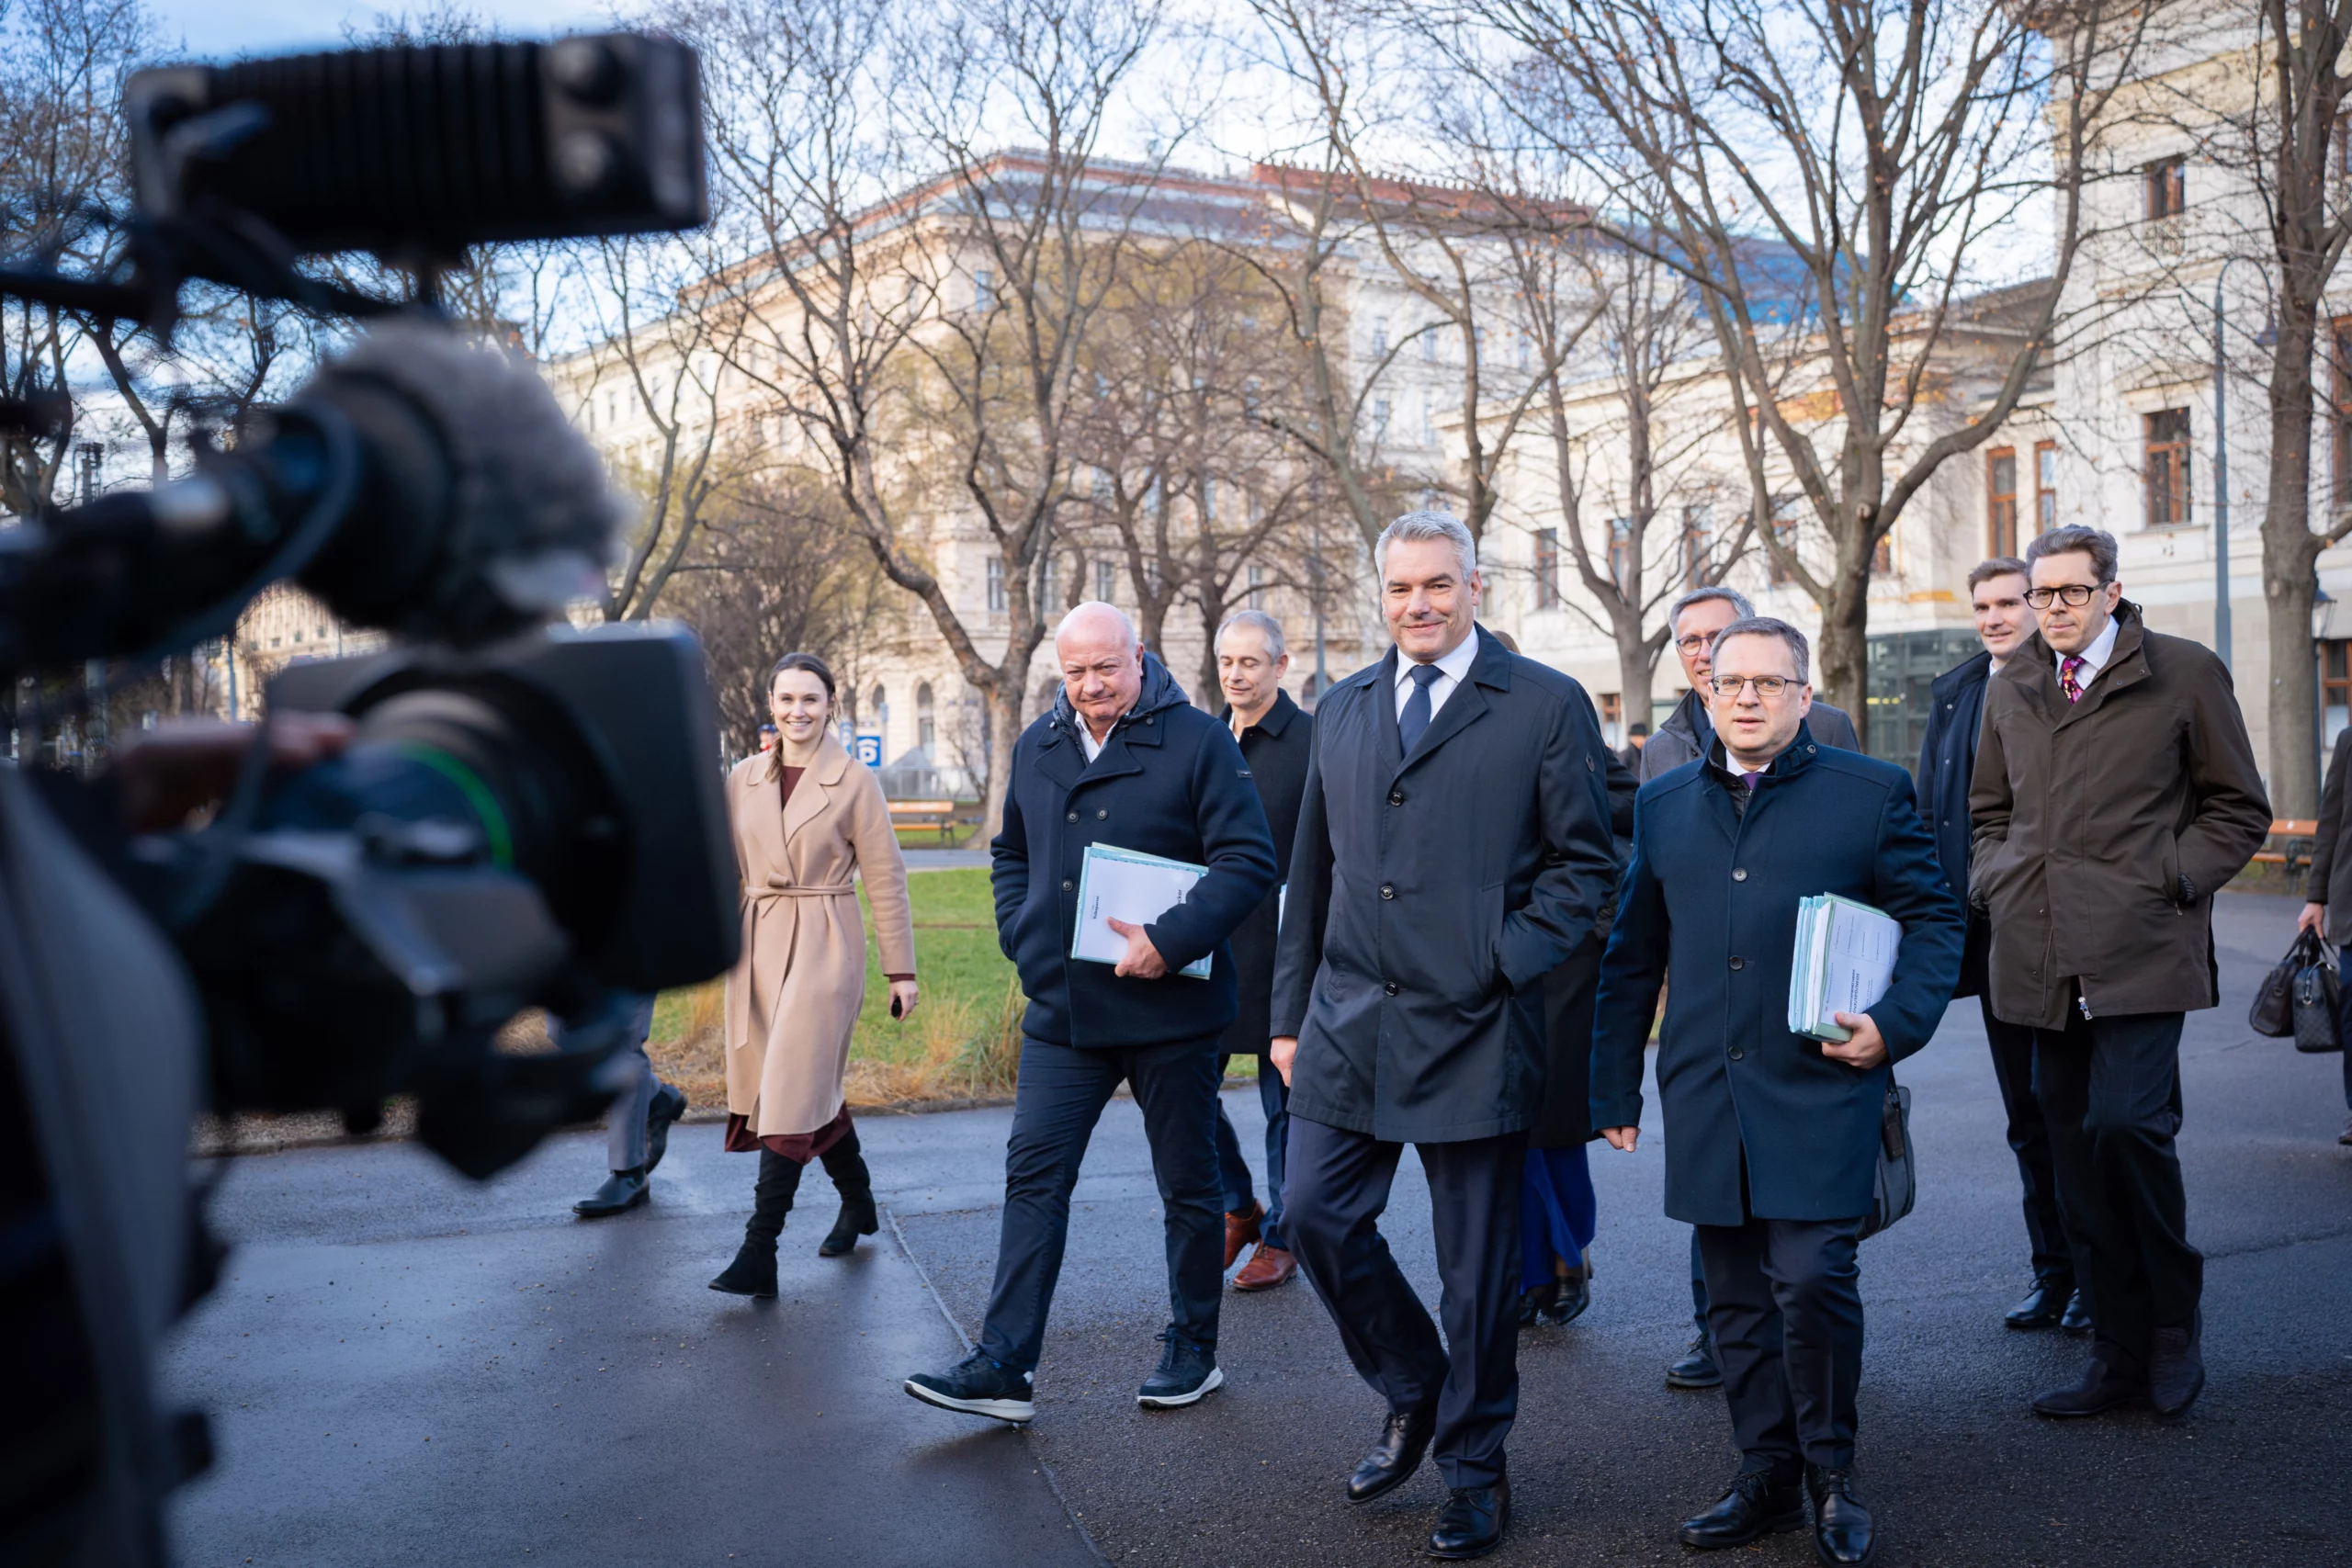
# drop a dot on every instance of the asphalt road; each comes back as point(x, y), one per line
point(405, 1367)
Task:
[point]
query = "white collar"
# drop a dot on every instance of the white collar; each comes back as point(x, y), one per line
point(1455, 664)
point(2095, 656)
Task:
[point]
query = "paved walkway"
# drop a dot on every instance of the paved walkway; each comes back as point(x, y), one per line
point(404, 1368)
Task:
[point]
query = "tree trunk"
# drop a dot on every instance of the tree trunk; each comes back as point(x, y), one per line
point(2289, 576)
point(1841, 658)
point(1005, 697)
point(1636, 667)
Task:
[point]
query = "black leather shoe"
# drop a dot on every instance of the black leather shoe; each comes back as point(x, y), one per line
point(859, 1217)
point(2103, 1388)
point(2077, 1321)
point(1472, 1522)
point(1697, 1368)
point(2044, 1305)
point(1403, 1441)
point(1842, 1535)
point(2175, 1370)
point(1576, 1296)
point(751, 1274)
point(1535, 1304)
point(622, 1190)
point(668, 1105)
point(1755, 1506)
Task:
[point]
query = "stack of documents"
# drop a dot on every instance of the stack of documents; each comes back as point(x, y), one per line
point(1845, 961)
point(1129, 885)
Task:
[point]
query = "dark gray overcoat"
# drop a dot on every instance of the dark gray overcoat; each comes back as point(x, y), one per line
point(1275, 748)
point(1430, 896)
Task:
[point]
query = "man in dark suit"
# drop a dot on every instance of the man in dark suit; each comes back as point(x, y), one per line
point(2115, 794)
point(1947, 757)
point(1123, 759)
point(1453, 851)
point(1685, 736)
point(1276, 736)
point(1771, 1138)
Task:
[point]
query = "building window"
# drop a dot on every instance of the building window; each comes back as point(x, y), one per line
point(1208, 501)
point(926, 725)
point(878, 710)
point(1428, 420)
point(1429, 344)
point(1107, 582)
point(1380, 337)
point(1621, 553)
point(2045, 487)
point(1882, 554)
point(1257, 600)
point(2340, 409)
point(2335, 689)
point(1053, 582)
point(984, 290)
point(1547, 567)
point(996, 585)
point(1613, 718)
point(2164, 466)
point(2167, 185)
point(1698, 540)
point(1379, 419)
point(2001, 501)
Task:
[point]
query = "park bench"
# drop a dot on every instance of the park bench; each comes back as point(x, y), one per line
point(939, 814)
point(2294, 836)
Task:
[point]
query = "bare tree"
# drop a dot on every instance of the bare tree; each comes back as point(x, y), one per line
point(1833, 177)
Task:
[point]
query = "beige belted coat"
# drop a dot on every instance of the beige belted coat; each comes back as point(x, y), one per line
point(794, 999)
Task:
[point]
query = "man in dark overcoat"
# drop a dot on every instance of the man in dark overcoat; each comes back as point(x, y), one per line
point(1773, 1138)
point(1123, 760)
point(1276, 736)
point(2115, 794)
point(1996, 591)
point(1453, 851)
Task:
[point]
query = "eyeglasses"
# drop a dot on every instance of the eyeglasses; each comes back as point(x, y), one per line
point(2076, 595)
point(1690, 644)
point(1767, 686)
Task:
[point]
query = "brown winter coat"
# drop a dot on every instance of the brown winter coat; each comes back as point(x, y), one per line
point(2086, 815)
point(794, 999)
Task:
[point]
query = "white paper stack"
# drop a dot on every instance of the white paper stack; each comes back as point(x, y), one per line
point(1845, 961)
point(1132, 886)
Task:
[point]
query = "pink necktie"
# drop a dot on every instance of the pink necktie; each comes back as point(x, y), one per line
point(2067, 681)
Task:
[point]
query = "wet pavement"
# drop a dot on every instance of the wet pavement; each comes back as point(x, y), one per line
point(406, 1368)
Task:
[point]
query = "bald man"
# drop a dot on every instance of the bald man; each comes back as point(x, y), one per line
point(1122, 759)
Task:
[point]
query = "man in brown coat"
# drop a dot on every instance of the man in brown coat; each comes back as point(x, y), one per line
point(2115, 792)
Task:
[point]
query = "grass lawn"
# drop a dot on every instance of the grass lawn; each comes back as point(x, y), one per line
point(963, 1040)
point(959, 836)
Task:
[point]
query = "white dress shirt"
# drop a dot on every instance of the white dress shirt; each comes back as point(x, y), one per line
point(1452, 670)
point(2095, 656)
point(1086, 737)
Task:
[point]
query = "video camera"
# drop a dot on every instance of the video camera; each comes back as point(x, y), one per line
point(526, 814)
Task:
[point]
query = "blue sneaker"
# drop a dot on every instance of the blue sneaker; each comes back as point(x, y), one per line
point(977, 1385)
point(1186, 1372)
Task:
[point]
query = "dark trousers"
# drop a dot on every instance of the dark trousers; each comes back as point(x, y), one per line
point(2344, 1030)
point(1785, 1307)
point(1061, 1095)
point(1233, 1171)
point(1338, 1185)
point(2045, 1229)
point(2110, 1092)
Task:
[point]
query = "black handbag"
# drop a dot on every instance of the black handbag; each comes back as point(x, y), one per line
point(2273, 1012)
point(2316, 989)
point(1897, 1184)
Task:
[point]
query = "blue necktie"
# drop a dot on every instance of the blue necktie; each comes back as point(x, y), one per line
point(1415, 716)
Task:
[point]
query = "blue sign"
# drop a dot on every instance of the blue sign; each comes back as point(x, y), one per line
point(867, 749)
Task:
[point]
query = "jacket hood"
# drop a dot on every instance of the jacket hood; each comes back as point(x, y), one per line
point(1159, 692)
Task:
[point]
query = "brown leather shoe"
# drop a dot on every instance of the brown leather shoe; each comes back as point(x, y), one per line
point(1268, 1267)
point(1240, 1230)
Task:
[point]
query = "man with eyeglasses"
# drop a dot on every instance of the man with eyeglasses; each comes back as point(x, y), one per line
point(1771, 1138)
point(2115, 792)
point(1684, 736)
point(1996, 593)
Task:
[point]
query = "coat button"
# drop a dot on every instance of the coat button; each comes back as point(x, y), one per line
point(1391, 988)
point(1101, 815)
point(1396, 798)
point(1146, 721)
point(1739, 874)
point(1073, 815)
point(1387, 890)
point(1737, 1054)
point(1737, 962)
point(1069, 886)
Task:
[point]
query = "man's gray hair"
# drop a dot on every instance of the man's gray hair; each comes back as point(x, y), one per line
point(2096, 543)
point(1093, 608)
point(1262, 623)
point(1766, 626)
point(1731, 596)
point(1415, 526)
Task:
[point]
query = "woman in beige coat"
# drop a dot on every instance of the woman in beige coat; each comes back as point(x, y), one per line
point(808, 819)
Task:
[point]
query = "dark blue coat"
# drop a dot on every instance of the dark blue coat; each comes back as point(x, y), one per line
point(1170, 782)
point(1947, 760)
point(1712, 895)
point(1430, 896)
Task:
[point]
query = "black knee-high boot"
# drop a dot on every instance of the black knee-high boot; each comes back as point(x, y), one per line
point(753, 1272)
point(846, 1165)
